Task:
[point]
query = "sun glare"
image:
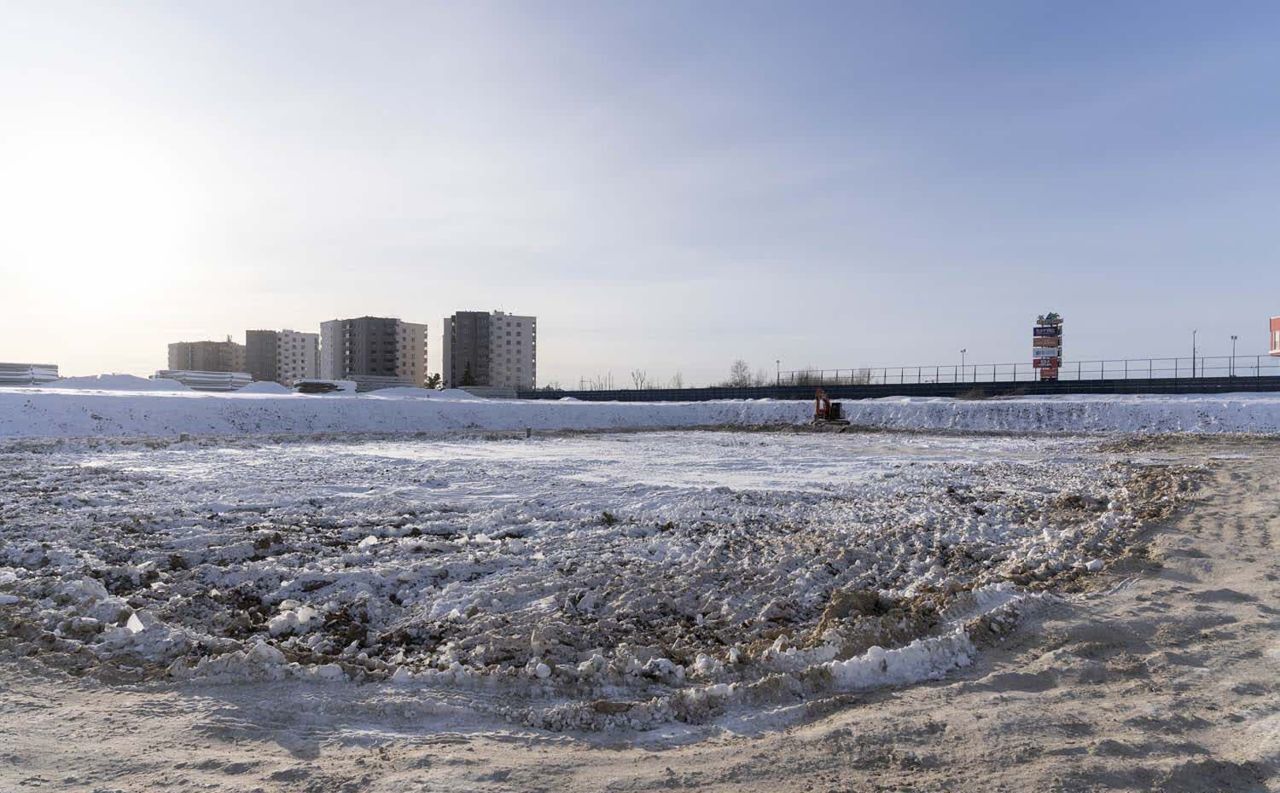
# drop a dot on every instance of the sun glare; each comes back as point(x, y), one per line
point(95, 220)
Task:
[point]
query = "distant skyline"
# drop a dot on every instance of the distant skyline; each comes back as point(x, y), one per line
point(667, 187)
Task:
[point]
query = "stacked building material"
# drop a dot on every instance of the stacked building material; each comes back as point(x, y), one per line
point(27, 373)
point(207, 381)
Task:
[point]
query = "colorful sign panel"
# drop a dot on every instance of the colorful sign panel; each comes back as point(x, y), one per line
point(1046, 346)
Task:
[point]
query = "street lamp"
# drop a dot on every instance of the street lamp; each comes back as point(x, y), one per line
point(1233, 354)
point(778, 363)
point(963, 350)
point(1193, 352)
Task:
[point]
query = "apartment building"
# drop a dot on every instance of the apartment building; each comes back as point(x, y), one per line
point(490, 349)
point(207, 356)
point(284, 356)
point(375, 352)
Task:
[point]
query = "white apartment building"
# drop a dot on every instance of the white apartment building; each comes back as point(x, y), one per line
point(297, 356)
point(513, 356)
point(496, 350)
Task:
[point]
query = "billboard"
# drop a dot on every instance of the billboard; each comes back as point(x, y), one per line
point(1046, 345)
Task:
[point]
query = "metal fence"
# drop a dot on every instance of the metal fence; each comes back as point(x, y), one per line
point(1114, 369)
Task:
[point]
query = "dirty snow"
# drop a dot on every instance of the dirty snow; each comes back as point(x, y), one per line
point(569, 583)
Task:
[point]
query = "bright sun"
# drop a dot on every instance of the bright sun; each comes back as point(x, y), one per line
point(94, 220)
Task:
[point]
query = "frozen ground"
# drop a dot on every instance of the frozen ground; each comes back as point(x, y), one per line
point(615, 583)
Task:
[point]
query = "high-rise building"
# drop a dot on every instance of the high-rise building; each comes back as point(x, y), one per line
point(284, 356)
point(207, 356)
point(496, 350)
point(375, 352)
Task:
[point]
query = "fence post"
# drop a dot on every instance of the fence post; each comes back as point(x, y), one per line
point(1103, 376)
point(1175, 368)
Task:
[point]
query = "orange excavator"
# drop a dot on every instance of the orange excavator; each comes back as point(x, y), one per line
point(825, 411)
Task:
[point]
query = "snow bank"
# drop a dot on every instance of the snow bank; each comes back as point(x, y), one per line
point(1196, 413)
point(122, 405)
point(264, 387)
point(83, 411)
point(116, 382)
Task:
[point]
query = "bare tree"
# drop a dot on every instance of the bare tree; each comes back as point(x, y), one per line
point(677, 380)
point(761, 378)
point(639, 379)
point(739, 374)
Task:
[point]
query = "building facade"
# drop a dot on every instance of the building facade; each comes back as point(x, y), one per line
point(207, 356)
point(1275, 335)
point(283, 356)
point(374, 351)
point(496, 350)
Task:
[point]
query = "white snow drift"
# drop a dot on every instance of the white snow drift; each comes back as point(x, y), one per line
point(123, 406)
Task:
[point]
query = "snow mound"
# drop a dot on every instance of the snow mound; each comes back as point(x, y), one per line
point(116, 382)
point(1147, 413)
point(264, 387)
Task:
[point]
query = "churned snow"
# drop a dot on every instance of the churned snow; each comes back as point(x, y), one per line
point(617, 581)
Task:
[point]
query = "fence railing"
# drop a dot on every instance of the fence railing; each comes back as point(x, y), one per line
point(1111, 369)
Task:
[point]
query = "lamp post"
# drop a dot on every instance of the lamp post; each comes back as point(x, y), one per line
point(1233, 354)
point(963, 350)
point(1193, 352)
point(778, 363)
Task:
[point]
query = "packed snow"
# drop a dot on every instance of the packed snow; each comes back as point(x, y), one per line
point(126, 406)
point(1145, 413)
point(598, 582)
point(82, 412)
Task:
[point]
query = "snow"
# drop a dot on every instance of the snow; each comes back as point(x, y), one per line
point(599, 582)
point(84, 412)
point(264, 387)
point(126, 406)
point(115, 382)
point(1147, 413)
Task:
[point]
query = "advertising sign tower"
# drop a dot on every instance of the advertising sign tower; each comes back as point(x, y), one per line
point(1046, 345)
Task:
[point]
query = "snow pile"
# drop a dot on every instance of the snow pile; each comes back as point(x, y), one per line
point(264, 387)
point(115, 382)
point(86, 411)
point(127, 406)
point(1197, 413)
point(615, 581)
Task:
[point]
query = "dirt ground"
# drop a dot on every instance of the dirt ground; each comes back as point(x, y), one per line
point(1164, 676)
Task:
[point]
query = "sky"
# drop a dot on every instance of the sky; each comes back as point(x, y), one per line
point(667, 186)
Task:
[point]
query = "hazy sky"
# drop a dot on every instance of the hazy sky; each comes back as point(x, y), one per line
point(667, 186)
